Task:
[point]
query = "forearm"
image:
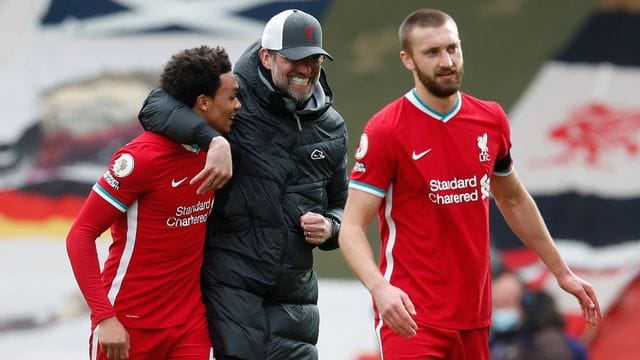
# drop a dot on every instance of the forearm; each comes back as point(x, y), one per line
point(86, 269)
point(94, 218)
point(527, 223)
point(521, 213)
point(359, 256)
point(334, 217)
point(337, 189)
point(337, 194)
point(167, 116)
point(332, 242)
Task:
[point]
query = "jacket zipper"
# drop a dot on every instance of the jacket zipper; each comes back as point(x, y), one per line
point(298, 121)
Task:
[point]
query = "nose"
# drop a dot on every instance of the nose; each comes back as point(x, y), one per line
point(303, 65)
point(237, 104)
point(446, 60)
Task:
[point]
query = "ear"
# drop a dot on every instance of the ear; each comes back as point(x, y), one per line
point(265, 58)
point(202, 103)
point(407, 61)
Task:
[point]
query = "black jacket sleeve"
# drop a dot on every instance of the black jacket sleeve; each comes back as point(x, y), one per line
point(337, 194)
point(167, 116)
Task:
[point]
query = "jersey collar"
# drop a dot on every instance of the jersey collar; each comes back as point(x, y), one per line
point(412, 96)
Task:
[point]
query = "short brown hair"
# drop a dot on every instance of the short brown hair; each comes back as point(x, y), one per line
point(421, 18)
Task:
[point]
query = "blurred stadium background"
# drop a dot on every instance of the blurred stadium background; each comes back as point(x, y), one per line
point(73, 74)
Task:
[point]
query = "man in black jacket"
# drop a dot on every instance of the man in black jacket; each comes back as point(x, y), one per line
point(286, 195)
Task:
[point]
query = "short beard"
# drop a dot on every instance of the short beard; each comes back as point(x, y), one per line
point(298, 97)
point(284, 85)
point(441, 91)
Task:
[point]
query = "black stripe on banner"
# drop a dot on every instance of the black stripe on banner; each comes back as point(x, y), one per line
point(55, 188)
point(594, 220)
point(610, 37)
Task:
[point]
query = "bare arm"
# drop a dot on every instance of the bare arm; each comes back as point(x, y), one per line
point(165, 115)
point(394, 304)
point(521, 213)
point(218, 167)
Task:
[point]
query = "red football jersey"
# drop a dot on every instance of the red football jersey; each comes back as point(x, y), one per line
point(433, 172)
point(151, 277)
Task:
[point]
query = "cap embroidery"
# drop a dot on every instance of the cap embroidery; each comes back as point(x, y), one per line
point(308, 34)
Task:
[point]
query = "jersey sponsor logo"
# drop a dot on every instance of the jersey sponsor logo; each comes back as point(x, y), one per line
point(485, 186)
point(483, 141)
point(456, 191)
point(453, 184)
point(123, 165)
point(175, 183)
point(317, 154)
point(363, 146)
point(418, 156)
point(188, 215)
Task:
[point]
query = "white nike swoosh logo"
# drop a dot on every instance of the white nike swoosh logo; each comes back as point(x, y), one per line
point(415, 156)
point(175, 183)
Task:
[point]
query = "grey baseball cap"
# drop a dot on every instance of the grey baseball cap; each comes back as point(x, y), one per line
point(295, 34)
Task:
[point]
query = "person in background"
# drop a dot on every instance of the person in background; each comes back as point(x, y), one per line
point(507, 316)
point(428, 164)
point(526, 325)
point(285, 197)
point(146, 303)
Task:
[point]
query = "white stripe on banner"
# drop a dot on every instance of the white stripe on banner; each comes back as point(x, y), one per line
point(582, 120)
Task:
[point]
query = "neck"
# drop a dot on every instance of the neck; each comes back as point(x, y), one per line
point(442, 105)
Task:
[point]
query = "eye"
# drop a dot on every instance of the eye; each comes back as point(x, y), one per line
point(315, 59)
point(432, 52)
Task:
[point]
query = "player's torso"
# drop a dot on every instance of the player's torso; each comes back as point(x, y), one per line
point(155, 258)
point(435, 215)
point(167, 207)
point(444, 166)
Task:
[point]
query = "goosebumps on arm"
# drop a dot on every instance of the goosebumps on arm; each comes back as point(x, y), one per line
point(167, 116)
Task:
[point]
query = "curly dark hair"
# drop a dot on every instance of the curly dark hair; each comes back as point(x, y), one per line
point(194, 72)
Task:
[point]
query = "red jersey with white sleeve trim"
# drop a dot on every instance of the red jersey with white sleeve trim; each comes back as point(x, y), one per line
point(433, 172)
point(151, 278)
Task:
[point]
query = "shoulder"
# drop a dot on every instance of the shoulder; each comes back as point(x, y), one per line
point(481, 105)
point(334, 117)
point(490, 111)
point(148, 147)
point(146, 158)
point(392, 108)
point(388, 117)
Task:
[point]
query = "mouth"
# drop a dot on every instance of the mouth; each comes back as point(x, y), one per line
point(446, 73)
point(300, 81)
